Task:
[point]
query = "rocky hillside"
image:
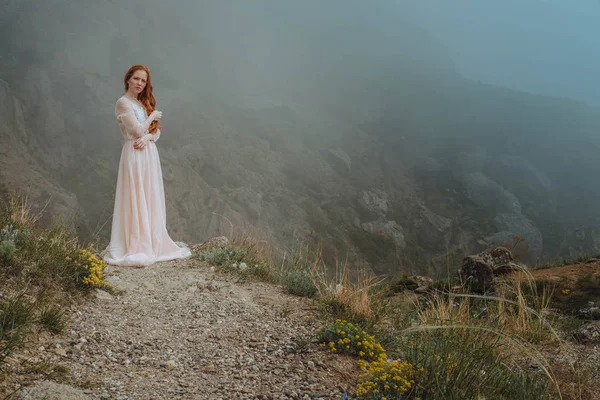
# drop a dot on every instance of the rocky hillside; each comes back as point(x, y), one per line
point(378, 149)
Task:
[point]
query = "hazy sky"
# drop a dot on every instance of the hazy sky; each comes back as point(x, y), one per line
point(541, 46)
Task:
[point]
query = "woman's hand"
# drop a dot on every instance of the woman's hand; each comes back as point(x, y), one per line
point(142, 141)
point(156, 115)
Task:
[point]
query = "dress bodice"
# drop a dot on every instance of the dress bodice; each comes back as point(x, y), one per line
point(131, 116)
point(140, 112)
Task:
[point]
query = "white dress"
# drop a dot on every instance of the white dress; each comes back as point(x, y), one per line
point(139, 232)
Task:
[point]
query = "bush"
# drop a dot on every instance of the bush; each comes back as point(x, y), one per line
point(298, 282)
point(387, 380)
point(467, 363)
point(222, 257)
point(7, 250)
point(345, 337)
point(89, 269)
point(229, 258)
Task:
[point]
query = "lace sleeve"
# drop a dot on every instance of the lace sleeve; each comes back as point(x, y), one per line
point(125, 114)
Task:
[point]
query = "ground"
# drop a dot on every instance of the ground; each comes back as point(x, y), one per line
point(178, 330)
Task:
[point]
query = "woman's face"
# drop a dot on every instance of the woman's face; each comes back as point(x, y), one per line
point(137, 82)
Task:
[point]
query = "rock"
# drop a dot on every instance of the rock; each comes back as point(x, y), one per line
point(103, 295)
point(374, 202)
point(478, 271)
point(209, 369)
point(339, 159)
point(479, 188)
point(588, 333)
point(218, 242)
point(61, 352)
point(47, 390)
point(510, 225)
point(423, 283)
point(388, 228)
point(112, 279)
point(168, 364)
point(243, 266)
point(431, 229)
point(590, 313)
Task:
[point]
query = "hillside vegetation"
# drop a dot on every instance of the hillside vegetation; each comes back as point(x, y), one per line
point(231, 321)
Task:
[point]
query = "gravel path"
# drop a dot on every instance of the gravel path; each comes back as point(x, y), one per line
point(178, 330)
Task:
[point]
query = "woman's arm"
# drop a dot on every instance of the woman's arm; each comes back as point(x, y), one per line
point(143, 140)
point(125, 114)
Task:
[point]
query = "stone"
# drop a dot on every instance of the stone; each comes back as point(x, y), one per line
point(588, 333)
point(218, 242)
point(478, 271)
point(590, 313)
point(47, 390)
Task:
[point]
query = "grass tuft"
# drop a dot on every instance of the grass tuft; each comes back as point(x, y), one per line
point(53, 319)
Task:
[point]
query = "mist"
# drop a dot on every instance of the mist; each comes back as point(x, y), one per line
point(547, 47)
point(401, 133)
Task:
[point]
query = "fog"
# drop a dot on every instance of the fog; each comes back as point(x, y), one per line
point(394, 131)
point(550, 47)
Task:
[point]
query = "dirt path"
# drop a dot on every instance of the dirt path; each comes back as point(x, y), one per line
point(180, 331)
point(567, 272)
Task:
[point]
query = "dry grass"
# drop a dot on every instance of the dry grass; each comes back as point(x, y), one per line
point(18, 212)
point(514, 318)
point(360, 299)
point(259, 253)
point(257, 243)
point(516, 307)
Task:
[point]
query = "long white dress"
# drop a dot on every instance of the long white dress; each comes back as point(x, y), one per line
point(139, 234)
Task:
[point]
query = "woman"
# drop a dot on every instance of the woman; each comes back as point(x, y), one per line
point(139, 232)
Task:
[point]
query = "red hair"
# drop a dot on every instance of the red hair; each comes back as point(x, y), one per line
point(146, 97)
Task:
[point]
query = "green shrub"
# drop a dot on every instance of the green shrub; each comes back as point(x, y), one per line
point(298, 282)
point(230, 258)
point(7, 250)
point(467, 363)
point(222, 257)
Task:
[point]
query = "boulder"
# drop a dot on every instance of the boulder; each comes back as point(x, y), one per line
point(478, 271)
